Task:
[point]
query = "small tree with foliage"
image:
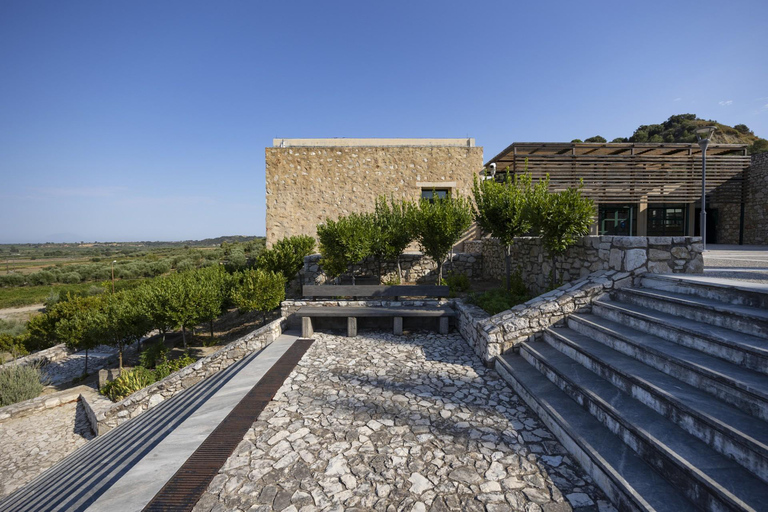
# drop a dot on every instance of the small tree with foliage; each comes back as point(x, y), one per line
point(344, 242)
point(394, 222)
point(561, 218)
point(212, 289)
point(439, 224)
point(259, 290)
point(501, 209)
point(184, 301)
point(120, 320)
point(76, 326)
point(287, 256)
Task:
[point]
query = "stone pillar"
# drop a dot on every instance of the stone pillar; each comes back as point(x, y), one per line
point(351, 326)
point(398, 330)
point(306, 327)
point(443, 325)
point(642, 217)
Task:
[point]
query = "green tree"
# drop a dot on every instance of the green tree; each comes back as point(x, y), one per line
point(120, 320)
point(287, 256)
point(260, 290)
point(156, 297)
point(77, 326)
point(501, 209)
point(596, 138)
point(760, 146)
point(183, 306)
point(344, 242)
point(212, 290)
point(561, 218)
point(438, 225)
point(393, 221)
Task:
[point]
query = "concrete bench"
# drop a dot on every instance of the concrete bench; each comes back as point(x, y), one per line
point(352, 313)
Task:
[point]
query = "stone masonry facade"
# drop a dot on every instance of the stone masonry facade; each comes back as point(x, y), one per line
point(756, 206)
point(661, 254)
point(306, 185)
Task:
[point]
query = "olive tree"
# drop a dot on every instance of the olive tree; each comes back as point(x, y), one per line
point(438, 224)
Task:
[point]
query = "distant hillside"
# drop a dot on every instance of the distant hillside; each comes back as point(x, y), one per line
point(682, 128)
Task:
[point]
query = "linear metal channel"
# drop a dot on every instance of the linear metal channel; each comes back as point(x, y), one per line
point(185, 488)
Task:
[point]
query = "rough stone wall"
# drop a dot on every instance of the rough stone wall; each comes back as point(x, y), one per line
point(728, 218)
point(105, 415)
point(490, 336)
point(306, 185)
point(679, 254)
point(40, 403)
point(42, 357)
point(756, 205)
point(417, 268)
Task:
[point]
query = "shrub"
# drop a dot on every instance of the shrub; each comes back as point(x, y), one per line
point(12, 344)
point(457, 283)
point(497, 300)
point(19, 383)
point(71, 278)
point(166, 368)
point(153, 355)
point(127, 383)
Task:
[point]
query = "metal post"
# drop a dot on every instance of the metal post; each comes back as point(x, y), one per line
point(704, 143)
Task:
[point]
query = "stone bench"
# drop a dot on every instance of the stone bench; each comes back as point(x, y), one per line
point(352, 313)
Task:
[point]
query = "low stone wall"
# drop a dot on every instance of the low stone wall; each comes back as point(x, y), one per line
point(106, 415)
point(417, 268)
point(490, 336)
point(41, 403)
point(679, 254)
point(42, 357)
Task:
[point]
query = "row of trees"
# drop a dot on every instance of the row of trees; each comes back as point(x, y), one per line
point(505, 209)
point(518, 207)
point(385, 233)
point(180, 300)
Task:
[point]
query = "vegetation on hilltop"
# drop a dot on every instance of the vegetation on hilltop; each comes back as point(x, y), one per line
point(682, 128)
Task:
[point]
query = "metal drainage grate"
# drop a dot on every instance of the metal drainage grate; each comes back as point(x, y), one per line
point(185, 488)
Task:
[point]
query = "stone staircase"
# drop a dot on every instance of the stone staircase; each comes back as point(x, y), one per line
point(661, 393)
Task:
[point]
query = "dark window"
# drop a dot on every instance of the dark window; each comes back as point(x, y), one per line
point(432, 193)
point(617, 219)
point(666, 220)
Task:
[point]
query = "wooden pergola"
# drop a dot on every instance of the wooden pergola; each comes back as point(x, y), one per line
point(632, 172)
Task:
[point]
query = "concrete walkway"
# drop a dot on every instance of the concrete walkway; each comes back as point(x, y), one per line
point(124, 469)
point(740, 262)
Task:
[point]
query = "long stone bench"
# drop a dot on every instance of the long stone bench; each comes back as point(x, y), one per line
point(352, 313)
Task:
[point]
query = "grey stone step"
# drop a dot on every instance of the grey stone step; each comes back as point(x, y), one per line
point(744, 319)
point(741, 387)
point(708, 479)
point(709, 287)
point(739, 348)
point(627, 480)
point(726, 429)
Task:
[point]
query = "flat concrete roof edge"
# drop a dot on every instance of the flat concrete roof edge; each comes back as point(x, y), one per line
point(372, 142)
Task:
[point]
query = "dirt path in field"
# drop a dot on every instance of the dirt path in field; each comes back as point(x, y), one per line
point(20, 313)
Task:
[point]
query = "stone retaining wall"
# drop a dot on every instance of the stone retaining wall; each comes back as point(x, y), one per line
point(416, 267)
point(679, 254)
point(106, 415)
point(40, 403)
point(490, 336)
point(756, 205)
point(42, 357)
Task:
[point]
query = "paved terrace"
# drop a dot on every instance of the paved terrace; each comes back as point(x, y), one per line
point(383, 422)
point(379, 422)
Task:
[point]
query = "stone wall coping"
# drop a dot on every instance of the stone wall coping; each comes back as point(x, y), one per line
point(40, 403)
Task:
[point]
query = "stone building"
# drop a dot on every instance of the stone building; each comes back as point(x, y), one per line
point(311, 180)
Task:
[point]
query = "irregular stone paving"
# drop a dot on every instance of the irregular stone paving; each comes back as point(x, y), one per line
point(31, 444)
point(390, 423)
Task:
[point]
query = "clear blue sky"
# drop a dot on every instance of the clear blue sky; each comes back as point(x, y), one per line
point(148, 120)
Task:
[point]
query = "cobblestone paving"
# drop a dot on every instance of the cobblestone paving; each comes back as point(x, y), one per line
point(31, 444)
point(412, 423)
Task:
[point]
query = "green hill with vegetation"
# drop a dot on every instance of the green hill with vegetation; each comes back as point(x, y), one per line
point(682, 128)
